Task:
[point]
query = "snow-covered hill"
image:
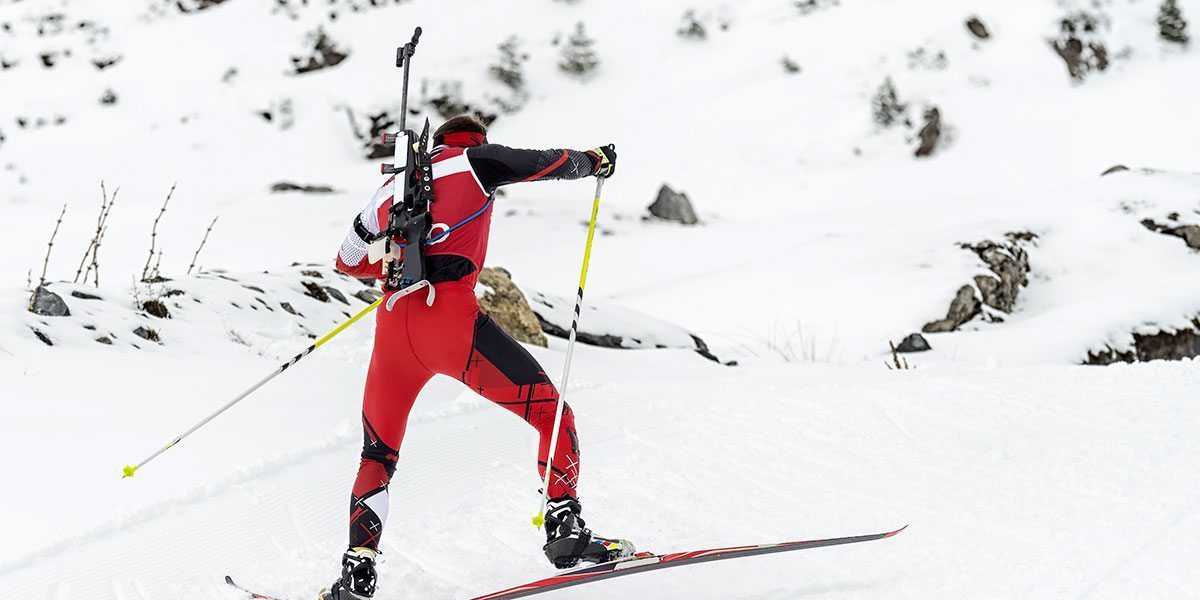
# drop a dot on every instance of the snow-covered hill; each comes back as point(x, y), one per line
point(822, 239)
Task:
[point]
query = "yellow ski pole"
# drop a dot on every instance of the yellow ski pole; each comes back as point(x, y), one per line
point(540, 519)
point(129, 470)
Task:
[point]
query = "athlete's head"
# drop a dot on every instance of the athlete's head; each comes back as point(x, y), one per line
point(466, 124)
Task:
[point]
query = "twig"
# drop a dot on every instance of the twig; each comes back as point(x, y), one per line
point(157, 261)
point(154, 234)
point(197, 254)
point(901, 363)
point(94, 268)
point(49, 246)
point(99, 224)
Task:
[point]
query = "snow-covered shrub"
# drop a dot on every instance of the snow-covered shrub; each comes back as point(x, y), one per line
point(367, 129)
point(191, 6)
point(789, 65)
point(280, 113)
point(450, 102)
point(324, 53)
point(810, 6)
point(1172, 27)
point(922, 58)
point(510, 67)
point(886, 107)
point(692, 28)
point(1080, 45)
point(109, 98)
point(578, 57)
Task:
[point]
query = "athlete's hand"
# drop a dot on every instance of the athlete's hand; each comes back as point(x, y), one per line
point(606, 160)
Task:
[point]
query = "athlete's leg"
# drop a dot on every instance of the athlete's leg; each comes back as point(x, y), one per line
point(394, 379)
point(502, 371)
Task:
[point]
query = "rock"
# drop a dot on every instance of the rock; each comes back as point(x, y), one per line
point(1114, 169)
point(963, 308)
point(915, 342)
point(977, 28)
point(84, 295)
point(104, 339)
point(673, 206)
point(147, 334)
point(931, 132)
point(315, 291)
point(336, 294)
point(368, 295)
point(311, 273)
point(156, 309)
point(1163, 345)
point(1009, 264)
point(48, 304)
point(509, 308)
point(288, 307)
point(1190, 234)
point(287, 186)
point(41, 336)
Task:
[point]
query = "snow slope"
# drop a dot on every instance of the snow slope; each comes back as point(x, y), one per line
point(1021, 474)
point(1020, 482)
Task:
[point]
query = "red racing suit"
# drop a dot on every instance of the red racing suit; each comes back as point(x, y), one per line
point(453, 337)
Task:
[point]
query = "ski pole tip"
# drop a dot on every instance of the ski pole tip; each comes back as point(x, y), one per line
point(128, 471)
point(538, 520)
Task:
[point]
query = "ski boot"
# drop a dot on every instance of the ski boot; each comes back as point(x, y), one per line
point(568, 541)
point(358, 577)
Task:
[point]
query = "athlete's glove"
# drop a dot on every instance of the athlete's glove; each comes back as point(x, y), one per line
point(605, 158)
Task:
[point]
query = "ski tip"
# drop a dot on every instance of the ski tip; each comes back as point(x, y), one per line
point(890, 534)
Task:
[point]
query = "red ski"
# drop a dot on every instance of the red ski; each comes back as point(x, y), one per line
point(647, 561)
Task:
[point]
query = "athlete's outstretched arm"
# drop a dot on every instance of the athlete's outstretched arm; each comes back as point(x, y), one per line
point(497, 165)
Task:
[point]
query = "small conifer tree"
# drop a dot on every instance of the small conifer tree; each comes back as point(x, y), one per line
point(509, 69)
point(886, 106)
point(578, 56)
point(1171, 25)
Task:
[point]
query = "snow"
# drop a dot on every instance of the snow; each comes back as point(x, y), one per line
point(1021, 473)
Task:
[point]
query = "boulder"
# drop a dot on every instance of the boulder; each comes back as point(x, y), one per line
point(963, 308)
point(503, 301)
point(1166, 344)
point(977, 28)
point(931, 132)
point(288, 186)
point(48, 304)
point(368, 295)
point(1190, 234)
point(673, 206)
point(913, 343)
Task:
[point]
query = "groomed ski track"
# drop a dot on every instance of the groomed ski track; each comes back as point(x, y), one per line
point(1000, 472)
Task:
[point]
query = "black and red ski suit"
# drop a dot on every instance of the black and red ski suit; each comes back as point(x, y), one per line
point(414, 341)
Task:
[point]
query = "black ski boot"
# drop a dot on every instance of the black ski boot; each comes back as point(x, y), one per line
point(358, 577)
point(568, 541)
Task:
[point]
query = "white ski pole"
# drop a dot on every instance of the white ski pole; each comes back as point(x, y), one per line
point(540, 519)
